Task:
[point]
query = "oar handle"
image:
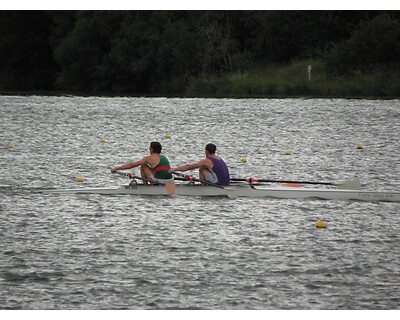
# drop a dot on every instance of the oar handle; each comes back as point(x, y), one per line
point(133, 176)
point(184, 176)
point(191, 178)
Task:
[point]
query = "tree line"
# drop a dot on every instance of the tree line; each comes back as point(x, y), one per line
point(165, 52)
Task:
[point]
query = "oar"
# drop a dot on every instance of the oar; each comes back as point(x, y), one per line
point(348, 184)
point(229, 191)
point(169, 186)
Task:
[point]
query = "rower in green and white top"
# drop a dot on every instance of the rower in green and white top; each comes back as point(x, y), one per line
point(154, 167)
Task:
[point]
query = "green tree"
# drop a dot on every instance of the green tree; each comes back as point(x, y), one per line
point(283, 36)
point(375, 43)
point(83, 54)
point(26, 61)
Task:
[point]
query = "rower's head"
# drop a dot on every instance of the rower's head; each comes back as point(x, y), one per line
point(155, 147)
point(211, 149)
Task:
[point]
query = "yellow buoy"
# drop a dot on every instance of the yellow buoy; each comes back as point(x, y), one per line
point(10, 147)
point(321, 224)
point(288, 153)
point(103, 141)
point(167, 136)
point(243, 160)
point(80, 179)
point(359, 146)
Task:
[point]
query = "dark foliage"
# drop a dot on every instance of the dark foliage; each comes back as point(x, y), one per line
point(163, 52)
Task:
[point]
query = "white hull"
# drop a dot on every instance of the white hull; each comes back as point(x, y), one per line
point(244, 191)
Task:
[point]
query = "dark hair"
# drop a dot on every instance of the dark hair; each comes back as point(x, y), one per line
point(156, 146)
point(211, 148)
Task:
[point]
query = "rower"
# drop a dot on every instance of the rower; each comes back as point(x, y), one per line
point(212, 169)
point(154, 168)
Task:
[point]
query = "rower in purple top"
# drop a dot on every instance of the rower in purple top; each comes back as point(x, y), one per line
point(212, 169)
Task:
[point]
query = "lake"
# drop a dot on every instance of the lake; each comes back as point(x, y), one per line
point(87, 251)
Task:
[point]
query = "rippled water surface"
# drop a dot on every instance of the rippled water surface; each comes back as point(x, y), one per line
point(65, 251)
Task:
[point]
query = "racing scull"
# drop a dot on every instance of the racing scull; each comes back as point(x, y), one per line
point(242, 190)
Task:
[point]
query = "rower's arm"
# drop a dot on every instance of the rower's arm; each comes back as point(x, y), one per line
point(191, 166)
point(130, 165)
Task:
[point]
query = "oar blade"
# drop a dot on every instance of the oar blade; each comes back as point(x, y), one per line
point(230, 193)
point(170, 187)
point(349, 185)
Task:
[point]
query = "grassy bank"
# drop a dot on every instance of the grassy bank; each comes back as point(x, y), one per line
point(294, 80)
point(274, 81)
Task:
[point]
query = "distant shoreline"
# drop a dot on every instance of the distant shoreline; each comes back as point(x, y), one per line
point(172, 96)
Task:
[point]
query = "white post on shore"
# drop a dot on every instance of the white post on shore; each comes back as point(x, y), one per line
point(309, 72)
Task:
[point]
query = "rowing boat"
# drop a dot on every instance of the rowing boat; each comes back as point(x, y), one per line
point(242, 190)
